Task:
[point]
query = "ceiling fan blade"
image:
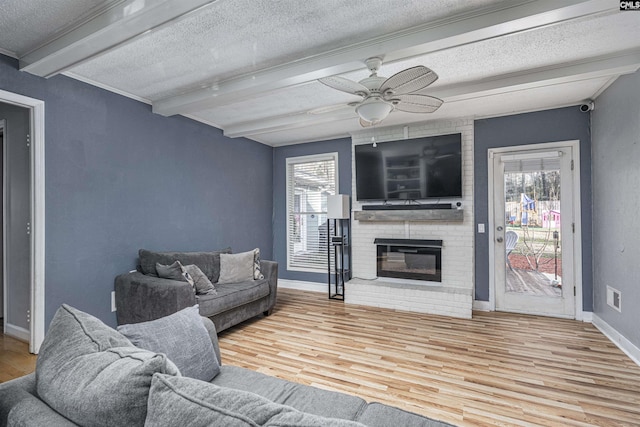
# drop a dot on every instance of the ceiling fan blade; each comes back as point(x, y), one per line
point(365, 124)
point(417, 103)
point(328, 109)
point(345, 85)
point(409, 80)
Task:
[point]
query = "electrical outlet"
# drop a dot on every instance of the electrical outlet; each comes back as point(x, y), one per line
point(480, 228)
point(113, 301)
point(614, 298)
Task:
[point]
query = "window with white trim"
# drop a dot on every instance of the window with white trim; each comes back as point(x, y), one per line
point(309, 180)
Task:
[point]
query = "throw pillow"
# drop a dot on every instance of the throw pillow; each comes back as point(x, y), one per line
point(257, 274)
point(173, 400)
point(182, 337)
point(236, 268)
point(201, 282)
point(208, 262)
point(93, 375)
point(175, 271)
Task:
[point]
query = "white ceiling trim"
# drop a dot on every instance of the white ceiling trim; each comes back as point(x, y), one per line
point(603, 66)
point(8, 53)
point(605, 86)
point(459, 30)
point(110, 28)
point(106, 87)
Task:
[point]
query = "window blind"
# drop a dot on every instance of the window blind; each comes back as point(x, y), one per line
point(534, 162)
point(308, 184)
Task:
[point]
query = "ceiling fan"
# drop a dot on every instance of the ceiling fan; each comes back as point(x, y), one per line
point(381, 95)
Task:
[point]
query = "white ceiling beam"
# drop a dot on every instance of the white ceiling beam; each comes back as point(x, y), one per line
point(462, 29)
point(108, 29)
point(603, 66)
point(286, 122)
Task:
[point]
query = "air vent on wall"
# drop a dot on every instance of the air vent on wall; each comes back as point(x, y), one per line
point(614, 298)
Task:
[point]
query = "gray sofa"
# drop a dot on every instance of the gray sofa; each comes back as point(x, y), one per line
point(90, 373)
point(142, 295)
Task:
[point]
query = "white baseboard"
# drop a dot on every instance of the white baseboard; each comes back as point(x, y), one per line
point(587, 317)
point(17, 332)
point(615, 337)
point(302, 285)
point(481, 305)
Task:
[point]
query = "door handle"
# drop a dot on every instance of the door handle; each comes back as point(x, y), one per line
point(499, 239)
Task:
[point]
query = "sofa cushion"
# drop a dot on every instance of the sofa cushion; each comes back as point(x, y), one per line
point(93, 375)
point(13, 392)
point(175, 271)
point(200, 280)
point(209, 262)
point(236, 268)
point(232, 295)
point(299, 396)
point(31, 411)
point(182, 337)
point(172, 400)
point(380, 415)
point(257, 272)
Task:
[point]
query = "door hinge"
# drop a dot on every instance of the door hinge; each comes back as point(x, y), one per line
point(574, 291)
point(572, 164)
point(28, 228)
point(28, 140)
point(573, 227)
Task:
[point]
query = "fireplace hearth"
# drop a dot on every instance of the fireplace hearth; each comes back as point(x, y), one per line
point(409, 259)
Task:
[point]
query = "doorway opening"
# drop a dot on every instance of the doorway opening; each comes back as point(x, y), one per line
point(2, 284)
point(534, 229)
point(23, 218)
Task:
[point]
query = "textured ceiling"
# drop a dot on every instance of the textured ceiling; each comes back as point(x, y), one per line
point(250, 67)
point(238, 37)
point(26, 24)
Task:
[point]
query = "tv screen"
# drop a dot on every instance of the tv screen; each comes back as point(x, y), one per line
point(410, 169)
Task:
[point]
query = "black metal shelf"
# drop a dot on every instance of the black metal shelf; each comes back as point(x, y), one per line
point(339, 250)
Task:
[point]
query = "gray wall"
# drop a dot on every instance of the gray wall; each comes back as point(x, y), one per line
point(616, 184)
point(18, 214)
point(532, 128)
point(280, 155)
point(119, 178)
point(1, 232)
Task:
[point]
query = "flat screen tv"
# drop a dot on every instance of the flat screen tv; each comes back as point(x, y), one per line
point(410, 169)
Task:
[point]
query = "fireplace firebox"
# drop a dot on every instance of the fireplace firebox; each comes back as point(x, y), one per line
point(409, 259)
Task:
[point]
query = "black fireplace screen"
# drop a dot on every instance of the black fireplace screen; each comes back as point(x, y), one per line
point(409, 259)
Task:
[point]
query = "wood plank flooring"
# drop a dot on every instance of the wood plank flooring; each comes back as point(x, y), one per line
point(15, 360)
point(497, 369)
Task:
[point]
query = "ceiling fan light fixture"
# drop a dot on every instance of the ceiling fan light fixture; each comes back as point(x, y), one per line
point(403, 91)
point(374, 110)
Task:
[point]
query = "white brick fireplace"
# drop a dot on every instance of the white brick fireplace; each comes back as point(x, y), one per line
point(453, 296)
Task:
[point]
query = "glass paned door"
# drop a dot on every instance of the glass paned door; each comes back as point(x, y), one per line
point(533, 236)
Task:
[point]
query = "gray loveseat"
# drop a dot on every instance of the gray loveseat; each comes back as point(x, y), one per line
point(142, 295)
point(91, 374)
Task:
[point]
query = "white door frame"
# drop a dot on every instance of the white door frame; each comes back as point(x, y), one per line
point(3, 128)
point(37, 241)
point(577, 217)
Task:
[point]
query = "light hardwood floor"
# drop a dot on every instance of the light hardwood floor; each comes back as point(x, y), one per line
point(497, 369)
point(15, 360)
